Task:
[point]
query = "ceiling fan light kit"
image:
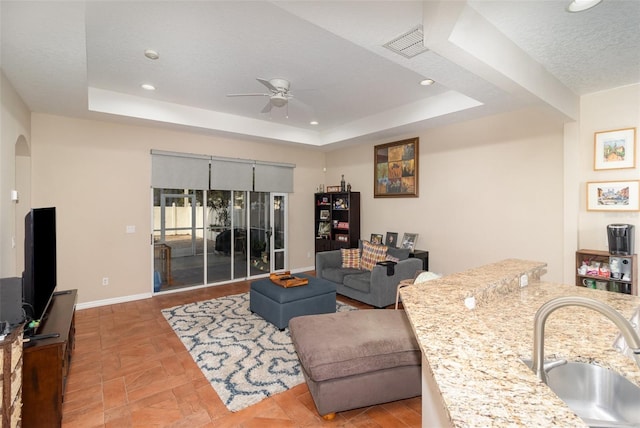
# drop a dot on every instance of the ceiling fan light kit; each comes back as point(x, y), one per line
point(278, 100)
point(582, 5)
point(151, 54)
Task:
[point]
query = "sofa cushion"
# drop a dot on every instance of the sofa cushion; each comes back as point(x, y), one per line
point(337, 274)
point(391, 258)
point(372, 254)
point(332, 346)
point(360, 281)
point(399, 253)
point(350, 257)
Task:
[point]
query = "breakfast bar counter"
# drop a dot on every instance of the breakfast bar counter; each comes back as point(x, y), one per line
point(475, 327)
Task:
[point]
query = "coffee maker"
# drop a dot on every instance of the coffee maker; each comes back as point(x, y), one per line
point(621, 239)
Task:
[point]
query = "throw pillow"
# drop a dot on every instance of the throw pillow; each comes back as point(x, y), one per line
point(372, 254)
point(392, 259)
point(350, 257)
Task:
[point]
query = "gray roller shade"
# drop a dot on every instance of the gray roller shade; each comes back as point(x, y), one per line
point(231, 174)
point(171, 170)
point(273, 177)
point(179, 170)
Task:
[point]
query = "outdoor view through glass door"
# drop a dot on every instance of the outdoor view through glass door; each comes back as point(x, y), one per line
point(178, 234)
point(244, 236)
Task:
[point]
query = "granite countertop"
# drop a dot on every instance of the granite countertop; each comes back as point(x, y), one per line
point(475, 354)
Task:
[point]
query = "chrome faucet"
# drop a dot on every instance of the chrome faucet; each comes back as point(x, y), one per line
point(629, 334)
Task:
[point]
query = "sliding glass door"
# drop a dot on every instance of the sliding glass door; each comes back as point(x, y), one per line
point(279, 238)
point(235, 235)
point(178, 238)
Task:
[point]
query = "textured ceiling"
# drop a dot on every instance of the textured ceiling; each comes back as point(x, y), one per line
point(85, 59)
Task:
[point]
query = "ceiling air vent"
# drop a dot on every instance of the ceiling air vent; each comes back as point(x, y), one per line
point(409, 44)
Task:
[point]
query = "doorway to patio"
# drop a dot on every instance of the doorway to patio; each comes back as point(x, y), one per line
point(216, 236)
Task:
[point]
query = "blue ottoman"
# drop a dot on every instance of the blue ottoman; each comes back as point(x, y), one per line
point(278, 304)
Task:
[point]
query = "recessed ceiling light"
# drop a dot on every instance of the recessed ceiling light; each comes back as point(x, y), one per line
point(427, 82)
point(313, 122)
point(581, 5)
point(148, 87)
point(151, 54)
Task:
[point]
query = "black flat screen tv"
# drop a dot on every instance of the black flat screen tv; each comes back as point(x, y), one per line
point(39, 279)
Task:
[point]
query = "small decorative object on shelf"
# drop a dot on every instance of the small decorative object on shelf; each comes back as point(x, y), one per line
point(349, 187)
point(341, 204)
point(332, 189)
point(342, 184)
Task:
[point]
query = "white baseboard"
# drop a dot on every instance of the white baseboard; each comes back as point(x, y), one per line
point(133, 297)
point(115, 300)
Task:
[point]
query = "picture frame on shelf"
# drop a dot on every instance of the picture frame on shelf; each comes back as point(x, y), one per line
point(395, 169)
point(391, 240)
point(376, 238)
point(324, 214)
point(324, 228)
point(333, 189)
point(409, 241)
point(614, 149)
point(613, 195)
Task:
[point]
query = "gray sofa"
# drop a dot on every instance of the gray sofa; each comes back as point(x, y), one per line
point(375, 287)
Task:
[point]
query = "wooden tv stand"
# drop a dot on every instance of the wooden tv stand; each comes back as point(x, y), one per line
point(46, 363)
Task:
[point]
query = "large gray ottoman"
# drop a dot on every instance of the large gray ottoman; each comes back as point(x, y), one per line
point(278, 304)
point(357, 359)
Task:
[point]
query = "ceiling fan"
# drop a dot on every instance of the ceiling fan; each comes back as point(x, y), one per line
point(279, 95)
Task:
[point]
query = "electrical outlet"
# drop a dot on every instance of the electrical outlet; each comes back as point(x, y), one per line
point(105, 281)
point(524, 280)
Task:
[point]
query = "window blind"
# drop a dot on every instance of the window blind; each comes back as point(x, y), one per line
point(179, 170)
point(170, 170)
point(231, 174)
point(271, 177)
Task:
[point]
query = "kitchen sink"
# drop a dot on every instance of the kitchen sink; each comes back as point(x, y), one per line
point(599, 396)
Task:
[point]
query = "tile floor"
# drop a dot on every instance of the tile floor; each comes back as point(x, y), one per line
point(130, 370)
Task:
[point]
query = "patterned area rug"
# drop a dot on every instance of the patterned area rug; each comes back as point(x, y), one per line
point(246, 358)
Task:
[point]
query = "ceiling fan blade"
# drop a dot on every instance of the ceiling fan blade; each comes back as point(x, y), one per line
point(249, 95)
point(267, 84)
point(267, 107)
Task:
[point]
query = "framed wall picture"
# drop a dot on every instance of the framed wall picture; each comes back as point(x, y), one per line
point(409, 241)
point(613, 195)
point(391, 240)
point(395, 169)
point(615, 149)
point(376, 238)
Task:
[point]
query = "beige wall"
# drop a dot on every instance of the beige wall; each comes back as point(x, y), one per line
point(510, 185)
point(602, 111)
point(97, 174)
point(489, 189)
point(15, 131)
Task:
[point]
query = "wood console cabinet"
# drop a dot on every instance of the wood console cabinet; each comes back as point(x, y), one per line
point(46, 364)
point(337, 220)
point(11, 378)
point(626, 281)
